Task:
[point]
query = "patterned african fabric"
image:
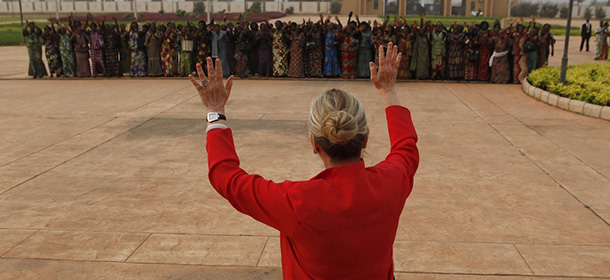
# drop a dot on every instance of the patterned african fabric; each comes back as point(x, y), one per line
point(485, 52)
point(365, 55)
point(185, 63)
point(265, 58)
point(36, 67)
point(520, 60)
point(97, 54)
point(111, 53)
point(500, 69)
point(349, 53)
point(231, 43)
point(532, 61)
point(53, 57)
point(153, 51)
point(420, 63)
point(81, 51)
point(331, 63)
point(438, 52)
point(314, 55)
point(67, 55)
point(405, 47)
point(543, 52)
point(124, 54)
point(280, 55)
point(201, 46)
point(138, 57)
point(296, 68)
point(241, 53)
point(470, 66)
point(455, 56)
point(168, 55)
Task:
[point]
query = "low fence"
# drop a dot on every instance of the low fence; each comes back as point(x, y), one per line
point(156, 6)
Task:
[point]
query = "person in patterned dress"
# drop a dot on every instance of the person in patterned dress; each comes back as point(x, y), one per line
point(186, 43)
point(314, 50)
point(486, 47)
point(349, 51)
point(168, 51)
point(202, 43)
point(455, 55)
point(97, 51)
point(138, 57)
point(112, 42)
point(124, 51)
point(153, 51)
point(520, 57)
point(438, 51)
point(500, 69)
point(297, 40)
point(51, 43)
point(264, 40)
point(280, 50)
point(81, 50)
point(331, 59)
point(471, 54)
point(365, 50)
point(67, 53)
point(36, 68)
point(405, 35)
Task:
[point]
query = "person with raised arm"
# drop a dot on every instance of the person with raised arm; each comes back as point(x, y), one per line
point(341, 223)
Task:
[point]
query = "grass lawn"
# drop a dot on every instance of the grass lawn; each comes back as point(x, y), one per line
point(16, 18)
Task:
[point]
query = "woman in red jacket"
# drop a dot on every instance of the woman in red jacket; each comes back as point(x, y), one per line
point(341, 224)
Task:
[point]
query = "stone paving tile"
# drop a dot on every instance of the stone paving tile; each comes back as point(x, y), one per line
point(446, 257)
point(200, 249)
point(272, 255)
point(19, 269)
point(566, 260)
point(55, 201)
point(75, 245)
point(9, 238)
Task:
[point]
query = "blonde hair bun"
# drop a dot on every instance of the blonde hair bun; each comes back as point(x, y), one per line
point(339, 127)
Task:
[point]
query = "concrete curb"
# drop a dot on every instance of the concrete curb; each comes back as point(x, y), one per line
point(572, 105)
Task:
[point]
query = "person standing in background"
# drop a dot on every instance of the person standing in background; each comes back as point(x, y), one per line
point(33, 33)
point(81, 49)
point(153, 49)
point(138, 58)
point(585, 34)
point(51, 44)
point(97, 51)
point(67, 52)
point(112, 40)
point(280, 49)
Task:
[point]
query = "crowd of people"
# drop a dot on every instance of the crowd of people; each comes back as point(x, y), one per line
point(476, 51)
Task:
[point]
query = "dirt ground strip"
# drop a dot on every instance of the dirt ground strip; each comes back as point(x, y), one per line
point(107, 179)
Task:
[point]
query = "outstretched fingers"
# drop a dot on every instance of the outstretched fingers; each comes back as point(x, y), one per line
point(195, 82)
point(373, 69)
point(381, 56)
point(218, 70)
point(202, 76)
point(210, 66)
point(229, 85)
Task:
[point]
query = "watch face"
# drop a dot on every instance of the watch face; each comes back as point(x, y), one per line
point(212, 117)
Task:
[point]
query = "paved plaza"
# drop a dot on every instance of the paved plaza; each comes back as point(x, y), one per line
point(107, 179)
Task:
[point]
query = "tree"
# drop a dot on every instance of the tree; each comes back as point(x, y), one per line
point(563, 12)
point(588, 12)
point(525, 10)
point(256, 7)
point(549, 10)
point(199, 7)
point(600, 13)
point(335, 7)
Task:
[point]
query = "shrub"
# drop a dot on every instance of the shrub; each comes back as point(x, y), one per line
point(127, 16)
point(140, 15)
point(199, 7)
point(256, 7)
point(563, 12)
point(600, 13)
point(335, 7)
point(549, 10)
point(161, 11)
point(588, 13)
point(587, 82)
point(180, 13)
point(525, 10)
point(290, 10)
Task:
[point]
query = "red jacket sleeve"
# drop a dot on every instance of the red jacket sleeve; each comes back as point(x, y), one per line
point(263, 200)
point(403, 140)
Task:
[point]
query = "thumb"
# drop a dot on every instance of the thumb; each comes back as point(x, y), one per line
point(229, 86)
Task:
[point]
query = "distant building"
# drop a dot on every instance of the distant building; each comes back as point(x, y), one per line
point(489, 8)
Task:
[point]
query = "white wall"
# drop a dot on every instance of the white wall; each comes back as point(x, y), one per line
point(125, 6)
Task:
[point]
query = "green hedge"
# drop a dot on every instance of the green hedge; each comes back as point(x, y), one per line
point(587, 82)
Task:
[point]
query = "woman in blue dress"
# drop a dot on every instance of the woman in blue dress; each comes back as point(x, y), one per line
point(331, 59)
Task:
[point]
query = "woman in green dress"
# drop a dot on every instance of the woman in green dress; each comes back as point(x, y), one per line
point(67, 52)
point(34, 45)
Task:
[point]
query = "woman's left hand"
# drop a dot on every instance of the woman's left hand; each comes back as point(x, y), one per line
point(213, 93)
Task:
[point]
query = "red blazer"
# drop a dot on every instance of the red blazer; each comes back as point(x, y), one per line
point(340, 224)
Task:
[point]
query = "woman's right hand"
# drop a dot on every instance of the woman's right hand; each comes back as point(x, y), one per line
point(383, 76)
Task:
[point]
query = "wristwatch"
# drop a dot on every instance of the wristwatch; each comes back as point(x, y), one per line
point(213, 116)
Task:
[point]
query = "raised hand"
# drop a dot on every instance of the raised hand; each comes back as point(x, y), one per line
point(213, 93)
point(383, 75)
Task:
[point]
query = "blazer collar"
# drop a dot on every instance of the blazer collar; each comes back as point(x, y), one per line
point(348, 171)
